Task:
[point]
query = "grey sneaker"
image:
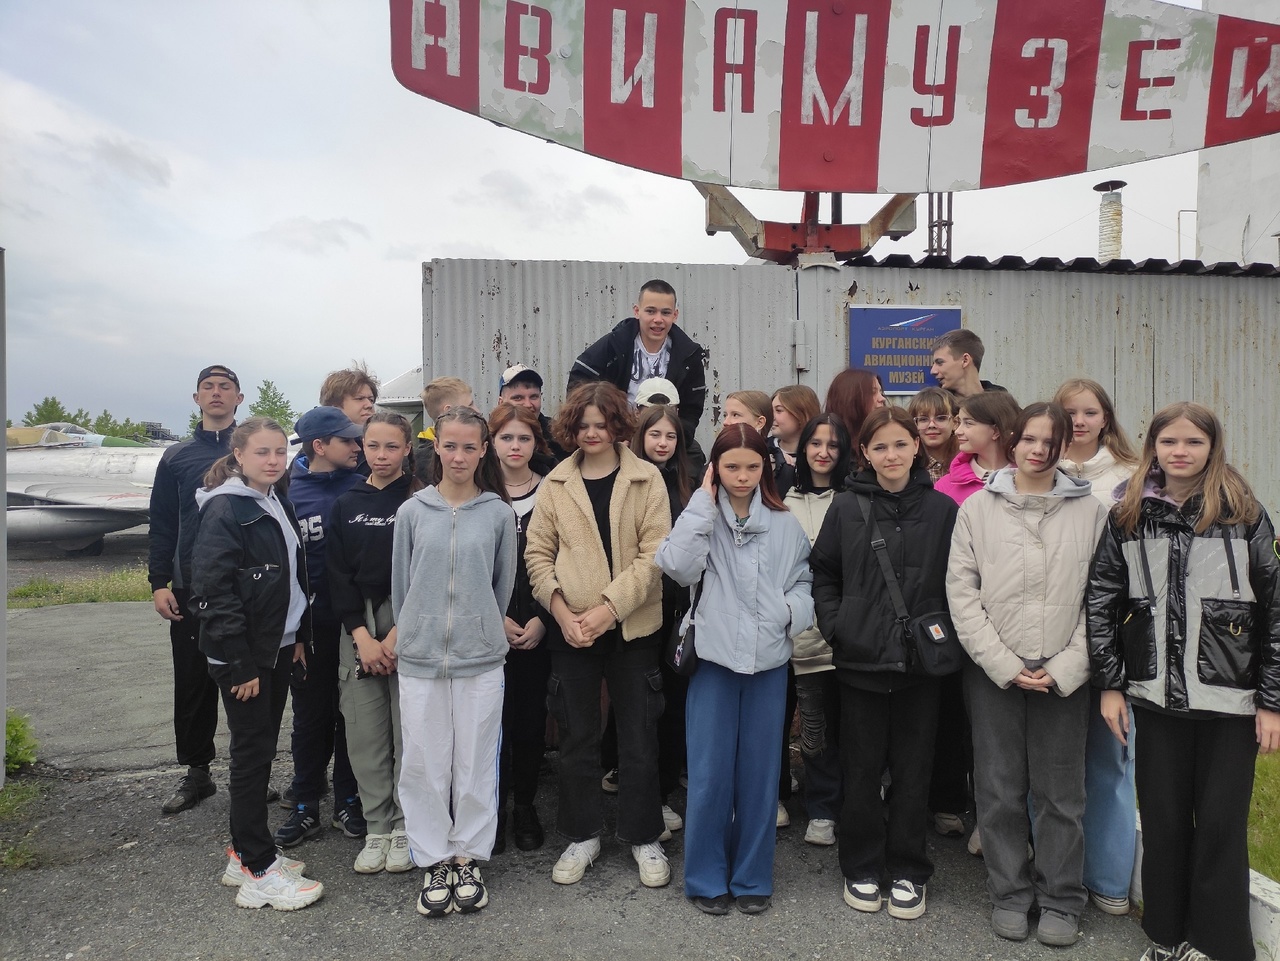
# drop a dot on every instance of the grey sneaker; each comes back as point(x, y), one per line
point(1010, 925)
point(1057, 929)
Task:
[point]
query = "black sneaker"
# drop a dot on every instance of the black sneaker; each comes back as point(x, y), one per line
point(906, 900)
point(348, 817)
point(195, 786)
point(303, 823)
point(527, 829)
point(272, 795)
point(469, 892)
point(288, 800)
point(436, 899)
point(863, 894)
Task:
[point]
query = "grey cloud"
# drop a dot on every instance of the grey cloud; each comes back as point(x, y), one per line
point(542, 203)
point(407, 251)
point(131, 159)
point(310, 236)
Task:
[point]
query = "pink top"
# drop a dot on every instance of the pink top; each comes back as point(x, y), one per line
point(959, 483)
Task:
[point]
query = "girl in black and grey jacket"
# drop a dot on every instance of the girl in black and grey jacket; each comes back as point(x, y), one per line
point(1183, 616)
point(249, 587)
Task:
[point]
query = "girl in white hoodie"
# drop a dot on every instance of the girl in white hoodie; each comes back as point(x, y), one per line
point(1016, 576)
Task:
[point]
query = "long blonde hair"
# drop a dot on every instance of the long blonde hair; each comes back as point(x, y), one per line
point(1226, 496)
point(1112, 436)
point(224, 468)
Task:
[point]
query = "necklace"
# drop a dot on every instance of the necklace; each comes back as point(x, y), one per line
point(527, 485)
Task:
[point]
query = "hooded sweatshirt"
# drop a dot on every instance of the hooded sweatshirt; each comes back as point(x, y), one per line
point(810, 650)
point(452, 572)
point(1104, 472)
point(227, 622)
point(313, 494)
point(358, 548)
point(960, 482)
point(1016, 578)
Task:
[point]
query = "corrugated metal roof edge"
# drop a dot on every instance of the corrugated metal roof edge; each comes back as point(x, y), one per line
point(1076, 265)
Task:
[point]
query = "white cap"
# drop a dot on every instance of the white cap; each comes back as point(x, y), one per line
point(515, 370)
point(657, 390)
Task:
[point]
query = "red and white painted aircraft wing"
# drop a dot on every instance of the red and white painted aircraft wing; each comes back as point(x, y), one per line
point(857, 96)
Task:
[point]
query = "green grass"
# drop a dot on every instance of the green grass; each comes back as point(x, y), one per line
point(19, 741)
point(17, 795)
point(124, 584)
point(1264, 817)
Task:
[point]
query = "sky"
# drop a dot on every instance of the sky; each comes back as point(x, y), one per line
point(246, 183)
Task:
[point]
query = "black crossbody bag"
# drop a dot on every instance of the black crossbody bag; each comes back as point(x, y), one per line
point(931, 638)
point(681, 653)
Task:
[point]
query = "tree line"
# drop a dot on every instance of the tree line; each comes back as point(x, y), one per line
point(271, 402)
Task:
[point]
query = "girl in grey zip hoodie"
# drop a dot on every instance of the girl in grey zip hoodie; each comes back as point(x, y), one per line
point(452, 573)
point(453, 567)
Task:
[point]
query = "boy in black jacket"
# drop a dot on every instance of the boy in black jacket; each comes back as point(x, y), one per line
point(649, 345)
point(174, 519)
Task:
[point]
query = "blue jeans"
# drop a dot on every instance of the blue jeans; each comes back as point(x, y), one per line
point(733, 725)
point(1110, 807)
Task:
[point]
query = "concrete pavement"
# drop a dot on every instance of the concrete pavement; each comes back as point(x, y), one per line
point(115, 878)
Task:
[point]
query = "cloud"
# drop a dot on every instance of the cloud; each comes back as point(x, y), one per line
point(542, 203)
point(309, 236)
point(132, 159)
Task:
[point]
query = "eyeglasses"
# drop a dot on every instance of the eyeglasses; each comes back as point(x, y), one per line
point(935, 419)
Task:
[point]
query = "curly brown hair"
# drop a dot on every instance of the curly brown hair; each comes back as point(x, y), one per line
point(609, 400)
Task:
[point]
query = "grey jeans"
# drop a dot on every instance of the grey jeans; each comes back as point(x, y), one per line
point(371, 708)
point(1030, 742)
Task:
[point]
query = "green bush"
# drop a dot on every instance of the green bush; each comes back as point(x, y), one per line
point(19, 741)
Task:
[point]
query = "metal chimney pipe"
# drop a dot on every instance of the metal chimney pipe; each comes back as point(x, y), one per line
point(1110, 220)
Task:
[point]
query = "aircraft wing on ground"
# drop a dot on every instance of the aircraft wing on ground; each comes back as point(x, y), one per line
point(74, 496)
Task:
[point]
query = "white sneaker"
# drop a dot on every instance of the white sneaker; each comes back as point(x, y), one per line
point(975, 844)
point(399, 857)
point(573, 864)
point(279, 888)
point(784, 819)
point(821, 831)
point(373, 856)
point(671, 822)
point(235, 874)
point(654, 870)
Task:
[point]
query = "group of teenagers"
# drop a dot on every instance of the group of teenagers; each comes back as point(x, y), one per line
point(960, 598)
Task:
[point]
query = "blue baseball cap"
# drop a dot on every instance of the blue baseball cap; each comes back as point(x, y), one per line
point(321, 422)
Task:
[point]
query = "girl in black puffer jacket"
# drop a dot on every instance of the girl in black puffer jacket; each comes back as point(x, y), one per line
point(249, 587)
point(883, 689)
point(1183, 615)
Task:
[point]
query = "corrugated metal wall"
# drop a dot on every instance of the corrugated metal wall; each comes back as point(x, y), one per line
point(1150, 339)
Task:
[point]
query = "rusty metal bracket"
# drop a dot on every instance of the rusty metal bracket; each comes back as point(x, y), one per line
point(785, 243)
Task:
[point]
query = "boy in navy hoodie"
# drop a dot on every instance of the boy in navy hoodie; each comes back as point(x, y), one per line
point(321, 473)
